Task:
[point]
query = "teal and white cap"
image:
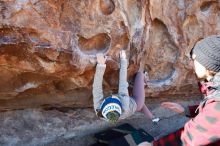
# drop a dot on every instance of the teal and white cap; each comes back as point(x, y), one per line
point(111, 108)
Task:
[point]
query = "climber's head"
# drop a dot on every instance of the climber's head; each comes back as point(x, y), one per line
point(111, 108)
point(206, 57)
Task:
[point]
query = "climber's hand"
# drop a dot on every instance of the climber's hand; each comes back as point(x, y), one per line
point(173, 106)
point(122, 54)
point(101, 58)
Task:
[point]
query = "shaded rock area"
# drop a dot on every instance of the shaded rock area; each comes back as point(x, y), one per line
point(48, 47)
point(66, 126)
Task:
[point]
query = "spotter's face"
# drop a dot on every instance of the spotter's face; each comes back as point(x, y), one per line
point(200, 70)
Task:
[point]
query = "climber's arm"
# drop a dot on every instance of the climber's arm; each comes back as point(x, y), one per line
point(97, 83)
point(123, 84)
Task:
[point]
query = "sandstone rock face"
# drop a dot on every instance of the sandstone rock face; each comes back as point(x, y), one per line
point(48, 47)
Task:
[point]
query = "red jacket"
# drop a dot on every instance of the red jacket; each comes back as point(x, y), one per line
point(204, 128)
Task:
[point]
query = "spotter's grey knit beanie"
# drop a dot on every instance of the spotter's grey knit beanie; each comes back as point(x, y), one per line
point(207, 52)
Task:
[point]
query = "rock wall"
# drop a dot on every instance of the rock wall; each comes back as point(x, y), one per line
point(48, 47)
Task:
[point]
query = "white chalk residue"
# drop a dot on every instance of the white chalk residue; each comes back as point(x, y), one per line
point(27, 86)
point(157, 84)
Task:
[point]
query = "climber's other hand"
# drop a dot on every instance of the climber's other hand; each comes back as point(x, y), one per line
point(122, 54)
point(101, 58)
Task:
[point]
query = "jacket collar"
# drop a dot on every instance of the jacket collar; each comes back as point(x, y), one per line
point(207, 88)
point(211, 90)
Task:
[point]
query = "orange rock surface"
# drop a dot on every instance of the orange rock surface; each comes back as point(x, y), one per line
point(48, 47)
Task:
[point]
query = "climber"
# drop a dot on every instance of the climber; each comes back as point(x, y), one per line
point(121, 105)
point(204, 127)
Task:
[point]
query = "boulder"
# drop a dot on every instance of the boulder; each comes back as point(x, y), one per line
point(48, 48)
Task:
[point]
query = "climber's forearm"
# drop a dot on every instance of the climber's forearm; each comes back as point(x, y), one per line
point(123, 84)
point(97, 86)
